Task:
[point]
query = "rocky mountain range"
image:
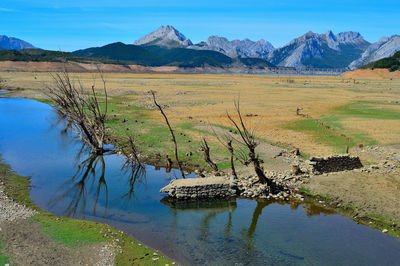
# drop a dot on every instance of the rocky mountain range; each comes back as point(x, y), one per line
point(385, 47)
point(312, 50)
point(320, 50)
point(236, 48)
point(11, 43)
point(347, 50)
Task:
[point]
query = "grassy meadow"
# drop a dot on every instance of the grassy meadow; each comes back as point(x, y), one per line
point(336, 111)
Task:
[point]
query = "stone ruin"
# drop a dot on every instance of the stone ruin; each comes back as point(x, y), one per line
point(335, 163)
point(201, 188)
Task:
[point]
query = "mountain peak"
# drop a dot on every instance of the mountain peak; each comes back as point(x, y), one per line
point(11, 43)
point(236, 48)
point(166, 36)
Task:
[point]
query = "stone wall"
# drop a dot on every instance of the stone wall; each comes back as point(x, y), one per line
point(335, 163)
point(201, 188)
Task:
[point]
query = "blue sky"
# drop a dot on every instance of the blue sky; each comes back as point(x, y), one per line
point(71, 24)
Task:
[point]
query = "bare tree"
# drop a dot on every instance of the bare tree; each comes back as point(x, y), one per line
point(206, 151)
point(248, 139)
point(171, 131)
point(83, 112)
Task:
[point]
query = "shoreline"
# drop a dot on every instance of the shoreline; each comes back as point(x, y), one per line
point(113, 247)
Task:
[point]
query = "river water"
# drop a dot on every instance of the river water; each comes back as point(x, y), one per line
point(67, 181)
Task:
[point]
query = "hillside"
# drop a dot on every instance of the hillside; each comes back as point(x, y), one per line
point(37, 55)
point(385, 47)
point(156, 55)
point(391, 63)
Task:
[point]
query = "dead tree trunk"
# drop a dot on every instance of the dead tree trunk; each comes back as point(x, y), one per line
point(82, 111)
point(172, 133)
point(206, 151)
point(248, 139)
point(232, 152)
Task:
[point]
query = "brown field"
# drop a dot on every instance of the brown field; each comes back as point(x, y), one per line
point(274, 99)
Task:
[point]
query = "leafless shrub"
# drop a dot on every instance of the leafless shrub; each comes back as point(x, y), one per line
point(83, 112)
point(249, 141)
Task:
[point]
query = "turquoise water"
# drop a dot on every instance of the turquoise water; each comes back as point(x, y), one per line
point(227, 232)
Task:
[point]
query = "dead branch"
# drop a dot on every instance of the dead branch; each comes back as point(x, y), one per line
point(226, 141)
point(171, 131)
point(206, 153)
point(248, 139)
point(82, 111)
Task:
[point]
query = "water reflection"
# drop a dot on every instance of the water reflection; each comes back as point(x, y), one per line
point(89, 184)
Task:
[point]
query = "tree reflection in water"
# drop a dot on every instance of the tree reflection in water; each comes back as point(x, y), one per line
point(213, 208)
point(89, 184)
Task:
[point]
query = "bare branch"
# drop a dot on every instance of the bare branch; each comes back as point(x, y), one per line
point(171, 131)
point(206, 151)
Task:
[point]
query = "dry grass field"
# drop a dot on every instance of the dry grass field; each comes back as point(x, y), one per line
point(339, 111)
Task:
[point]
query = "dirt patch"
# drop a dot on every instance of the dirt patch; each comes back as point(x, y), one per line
point(373, 74)
point(370, 193)
point(27, 245)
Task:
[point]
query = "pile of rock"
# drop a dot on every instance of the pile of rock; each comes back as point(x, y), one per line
point(335, 163)
point(252, 188)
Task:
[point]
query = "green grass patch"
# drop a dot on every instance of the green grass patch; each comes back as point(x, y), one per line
point(3, 258)
point(16, 187)
point(322, 135)
point(366, 110)
point(70, 232)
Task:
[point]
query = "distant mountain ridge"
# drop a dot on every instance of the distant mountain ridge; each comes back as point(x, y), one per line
point(11, 43)
point(236, 48)
point(311, 50)
point(320, 50)
point(167, 46)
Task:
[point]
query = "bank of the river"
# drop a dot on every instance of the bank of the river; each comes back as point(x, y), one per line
point(31, 236)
